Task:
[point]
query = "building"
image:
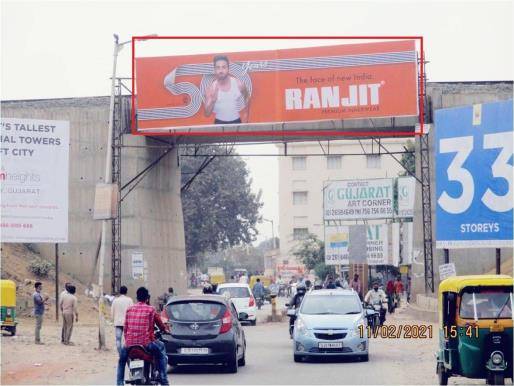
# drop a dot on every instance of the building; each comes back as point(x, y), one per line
point(302, 174)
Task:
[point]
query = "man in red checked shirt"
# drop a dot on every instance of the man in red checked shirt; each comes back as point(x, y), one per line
point(139, 330)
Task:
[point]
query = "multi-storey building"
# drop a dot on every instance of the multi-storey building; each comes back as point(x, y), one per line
point(301, 178)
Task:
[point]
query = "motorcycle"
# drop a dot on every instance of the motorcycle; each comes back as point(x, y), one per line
point(291, 312)
point(143, 368)
point(375, 314)
point(260, 302)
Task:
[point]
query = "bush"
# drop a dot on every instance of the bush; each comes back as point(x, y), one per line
point(40, 267)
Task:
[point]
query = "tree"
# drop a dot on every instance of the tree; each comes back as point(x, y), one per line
point(408, 159)
point(311, 253)
point(220, 210)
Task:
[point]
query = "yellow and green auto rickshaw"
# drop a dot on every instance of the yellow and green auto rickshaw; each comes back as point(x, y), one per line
point(8, 306)
point(475, 328)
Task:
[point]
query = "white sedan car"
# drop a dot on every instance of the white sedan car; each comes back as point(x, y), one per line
point(242, 297)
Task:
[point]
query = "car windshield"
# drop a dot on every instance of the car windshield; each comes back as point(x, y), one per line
point(326, 305)
point(486, 305)
point(235, 292)
point(195, 311)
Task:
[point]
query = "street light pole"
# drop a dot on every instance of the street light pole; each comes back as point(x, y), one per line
point(272, 232)
point(107, 180)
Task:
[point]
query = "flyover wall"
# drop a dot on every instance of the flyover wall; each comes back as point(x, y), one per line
point(152, 220)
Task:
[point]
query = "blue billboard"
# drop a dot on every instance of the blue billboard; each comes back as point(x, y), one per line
point(474, 176)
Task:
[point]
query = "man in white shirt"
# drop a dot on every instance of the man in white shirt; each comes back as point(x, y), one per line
point(227, 95)
point(118, 310)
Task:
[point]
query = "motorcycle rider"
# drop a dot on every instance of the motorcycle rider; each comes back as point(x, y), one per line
point(377, 298)
point(258, 292)
point(139, 330)
point(207, 289)
point(295, 303)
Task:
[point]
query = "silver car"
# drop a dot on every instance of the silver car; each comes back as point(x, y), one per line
point(331, 323)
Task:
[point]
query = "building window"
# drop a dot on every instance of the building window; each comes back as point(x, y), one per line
point(299, 163)
point(373, 161)
point(299, 198)
point(300, 233)
point(334, 162)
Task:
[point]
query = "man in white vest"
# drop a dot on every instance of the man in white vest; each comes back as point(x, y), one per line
point(227, 95)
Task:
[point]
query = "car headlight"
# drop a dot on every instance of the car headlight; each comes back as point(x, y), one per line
point(359, 329)
point(497, 358)
point(301, 327)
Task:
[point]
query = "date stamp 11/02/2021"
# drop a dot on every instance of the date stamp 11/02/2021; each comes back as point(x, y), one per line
point(415, 331)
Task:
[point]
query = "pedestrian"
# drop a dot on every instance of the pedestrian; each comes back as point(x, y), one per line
point(39, 309)
point(69, 310)
point(118, 310)
point(398, 290)
point(408, 288)
point(64, 291)
point(356, 285)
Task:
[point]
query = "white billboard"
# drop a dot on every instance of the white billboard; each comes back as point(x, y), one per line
point(336, 245)
point(406, 195)
point(34, 180)
point(377, 244)
point(358, 199)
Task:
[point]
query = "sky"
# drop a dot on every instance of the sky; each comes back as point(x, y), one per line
point(64, 48)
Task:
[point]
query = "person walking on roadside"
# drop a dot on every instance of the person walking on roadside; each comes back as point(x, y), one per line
point(69, 309)
point(63, 292)
point(356, 285)
point(118, 310)
point(39, 309)
point(398, 290)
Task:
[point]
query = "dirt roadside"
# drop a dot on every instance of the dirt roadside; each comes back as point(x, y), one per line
point(23, 362)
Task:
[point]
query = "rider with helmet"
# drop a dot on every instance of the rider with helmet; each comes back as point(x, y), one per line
point(207, 289)
point(295, 303)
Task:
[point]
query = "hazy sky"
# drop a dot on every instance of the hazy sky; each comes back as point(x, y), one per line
point(64, 48)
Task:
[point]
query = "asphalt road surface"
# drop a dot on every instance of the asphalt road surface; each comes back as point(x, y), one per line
point(269, 360)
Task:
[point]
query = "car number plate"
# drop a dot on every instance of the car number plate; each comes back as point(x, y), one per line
point(194, 350)
point(331, 345)
point(136, 364)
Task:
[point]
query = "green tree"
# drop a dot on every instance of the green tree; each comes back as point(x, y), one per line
point(220, 210)
point(408, 159)
point(311, 253)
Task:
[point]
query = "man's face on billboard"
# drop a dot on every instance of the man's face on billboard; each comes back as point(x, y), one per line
point(221, 69)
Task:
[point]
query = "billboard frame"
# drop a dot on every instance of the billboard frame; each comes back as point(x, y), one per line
point(287, 133)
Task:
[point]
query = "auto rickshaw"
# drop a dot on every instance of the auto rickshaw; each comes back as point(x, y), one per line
point(8, 306)
point(475, 329)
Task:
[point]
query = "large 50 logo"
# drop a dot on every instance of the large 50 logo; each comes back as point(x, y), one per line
point(463, 146)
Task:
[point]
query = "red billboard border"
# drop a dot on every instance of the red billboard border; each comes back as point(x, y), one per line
point(421, 90)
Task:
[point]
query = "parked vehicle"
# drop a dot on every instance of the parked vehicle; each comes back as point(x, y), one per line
point(8, 306)
point(242, 297)
point(475, 335)
point(330, 323)
point(204, 329)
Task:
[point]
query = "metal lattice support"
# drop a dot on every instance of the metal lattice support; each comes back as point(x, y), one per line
point(426, 196)
point(117, 143)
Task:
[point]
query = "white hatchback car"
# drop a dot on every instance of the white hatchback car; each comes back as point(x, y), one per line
point(242, 297)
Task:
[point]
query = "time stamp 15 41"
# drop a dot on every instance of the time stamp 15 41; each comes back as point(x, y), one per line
point(415, 331)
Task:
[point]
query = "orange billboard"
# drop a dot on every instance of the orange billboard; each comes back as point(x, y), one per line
point(351, 81)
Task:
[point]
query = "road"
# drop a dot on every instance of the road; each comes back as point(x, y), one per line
point(269, 360)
